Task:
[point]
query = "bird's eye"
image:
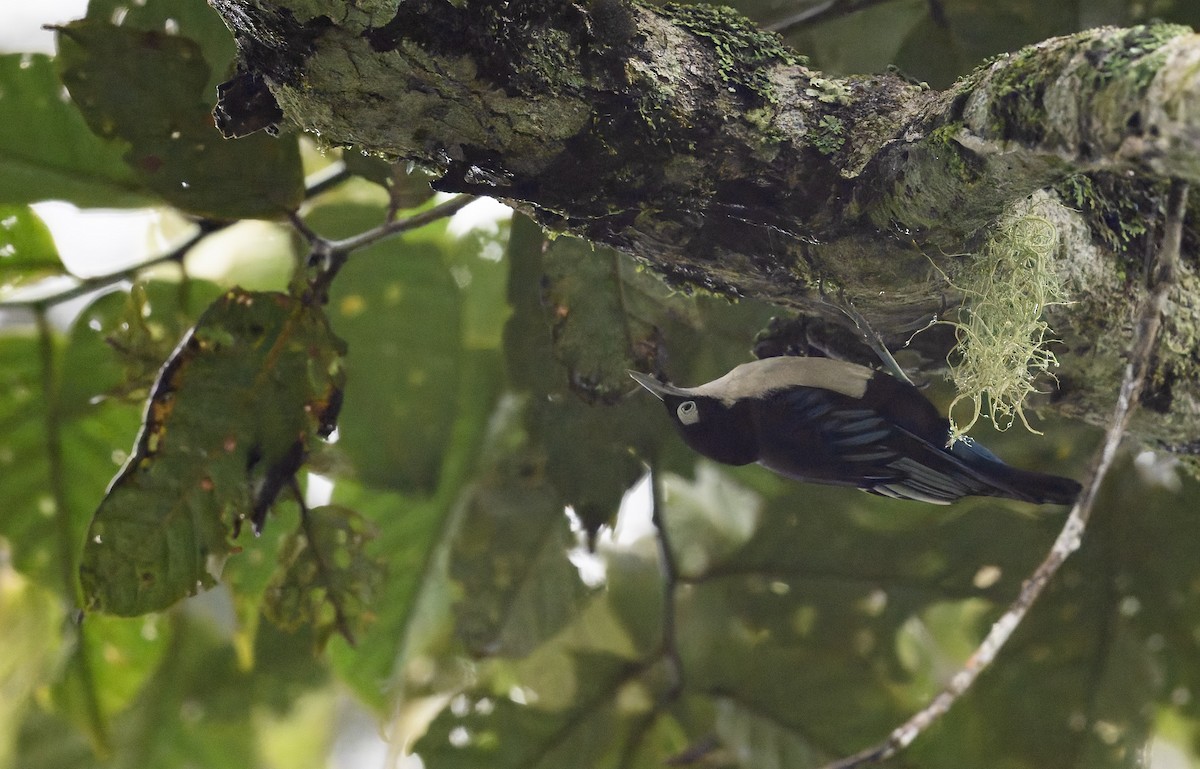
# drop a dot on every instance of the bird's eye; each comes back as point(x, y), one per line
point(688, 413)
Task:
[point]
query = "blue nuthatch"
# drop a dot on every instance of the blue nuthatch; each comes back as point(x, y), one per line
point(828, 421)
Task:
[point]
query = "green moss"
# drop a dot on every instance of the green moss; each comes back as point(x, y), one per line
point(1137, 55)
point(828, 91)
point(1132, 57)
point(554, 57)
point(743, 51)
point(829, 135)
point(944, 140)
point(1017, 92)
point(1117, 213)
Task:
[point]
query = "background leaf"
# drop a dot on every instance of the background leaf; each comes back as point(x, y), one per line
point(808, 621)
point(399, 309)
point(509, 555)
point(193, 19)
point(147, 90)
point(27, 250)
point(94, 437)
point(50, 153)
point(325, 579)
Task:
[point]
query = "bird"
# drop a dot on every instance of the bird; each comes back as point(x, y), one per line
point(829, 421)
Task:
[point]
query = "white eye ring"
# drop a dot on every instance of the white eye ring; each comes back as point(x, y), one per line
point(688, 413)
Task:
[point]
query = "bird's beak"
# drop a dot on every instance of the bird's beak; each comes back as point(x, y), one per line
point(657, 389)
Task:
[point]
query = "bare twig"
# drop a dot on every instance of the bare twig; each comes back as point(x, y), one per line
point(395, 227)
point(329, 256)
point(1161, 277)
point(94, 283)
point(670, 573)
point(325, 179)
point(815, 14)
point(317, 184)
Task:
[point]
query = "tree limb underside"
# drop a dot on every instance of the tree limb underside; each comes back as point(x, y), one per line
point(691, 139)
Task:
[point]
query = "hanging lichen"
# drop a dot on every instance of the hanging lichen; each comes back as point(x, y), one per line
point(1002, 338)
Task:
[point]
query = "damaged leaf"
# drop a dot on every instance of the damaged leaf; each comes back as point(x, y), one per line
point(325, 579)
point(230, 420)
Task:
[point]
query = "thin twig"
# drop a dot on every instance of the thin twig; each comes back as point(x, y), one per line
point(96, 282)
point(364, 239)
point(325, 179)
point(1161, 278)
point(670, 575)
point(329, 256)
point(320, 182)
point(816, 14)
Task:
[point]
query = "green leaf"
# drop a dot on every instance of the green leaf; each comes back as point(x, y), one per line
point(711, 518)
point(760, 741)
point(397, 306)
point(1110, 650)
point(599, 316)
point(194, 711)
point(146, 90)
point(50, 153)
point(587, 448)
point(27, 249)
point(607, 316)
point(230, 419)
point(122, 654)
point(193, 19)
point(477, 263)
point(29, 620)
point(326, 578)
point(594, 714)
point(415, 532)
point(96, 417)
point(590, 451)
point(510, 559)
point(93, 437)
point(373, 169)
point(119, 343)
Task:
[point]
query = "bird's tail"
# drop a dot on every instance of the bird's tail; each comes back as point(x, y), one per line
point(1013, 482)
point(1039, 488)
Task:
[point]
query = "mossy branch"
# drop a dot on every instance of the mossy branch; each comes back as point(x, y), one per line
point(699, 143)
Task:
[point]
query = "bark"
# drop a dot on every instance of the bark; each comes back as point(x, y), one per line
point(692, 140)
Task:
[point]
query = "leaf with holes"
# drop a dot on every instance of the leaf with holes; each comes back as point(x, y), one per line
point(325, 580)
point(229, 422)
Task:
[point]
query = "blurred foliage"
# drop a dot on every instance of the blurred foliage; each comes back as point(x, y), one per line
point(146, 90)
point(485, 395)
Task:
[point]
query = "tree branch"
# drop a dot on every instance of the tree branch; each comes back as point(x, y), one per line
point(689, 138)
point(1162, 279)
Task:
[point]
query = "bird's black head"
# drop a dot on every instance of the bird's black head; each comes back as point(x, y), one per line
point(725, 433)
